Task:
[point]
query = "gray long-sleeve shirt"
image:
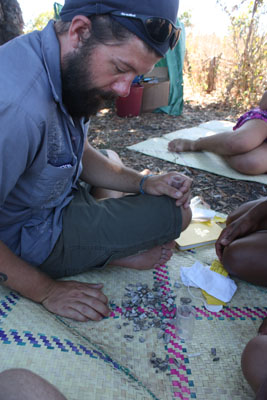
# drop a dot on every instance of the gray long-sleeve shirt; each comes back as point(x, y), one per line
point(40, 145)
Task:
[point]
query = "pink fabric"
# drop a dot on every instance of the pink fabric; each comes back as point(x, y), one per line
point(255, 113)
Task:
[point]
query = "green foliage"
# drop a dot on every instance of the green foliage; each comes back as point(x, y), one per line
point(232, 68)
point(185, 18)
point(40, 22)
point(247, 78)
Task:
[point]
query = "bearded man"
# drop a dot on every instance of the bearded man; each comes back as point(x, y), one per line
point(51, 225)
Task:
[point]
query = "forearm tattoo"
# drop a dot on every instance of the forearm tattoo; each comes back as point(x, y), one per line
point(3, 277)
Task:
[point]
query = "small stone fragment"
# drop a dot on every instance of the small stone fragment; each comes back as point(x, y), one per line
point(166, 338)
point(129, 337)
point(118, 326)
point(142, 339)
point(213, 351)
point(160, 335)
point(216, 359)
point(177, 285)
point(176, 362)
point(185, 300)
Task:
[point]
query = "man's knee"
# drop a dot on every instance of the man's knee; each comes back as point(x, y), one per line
point(112, 155)
point(186, 217)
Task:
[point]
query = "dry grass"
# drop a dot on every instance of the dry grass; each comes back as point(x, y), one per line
point(213, 66)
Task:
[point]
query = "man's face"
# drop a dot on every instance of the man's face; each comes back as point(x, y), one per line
point(91, 75)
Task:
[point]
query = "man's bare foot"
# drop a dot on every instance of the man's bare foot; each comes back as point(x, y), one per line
point(178, 145)
point(148, 259)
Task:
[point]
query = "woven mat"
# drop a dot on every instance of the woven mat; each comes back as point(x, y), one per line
point(95, 361)
point(158, 147)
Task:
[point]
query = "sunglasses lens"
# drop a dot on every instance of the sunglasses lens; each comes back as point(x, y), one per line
point(175, 38)
point(159, 29)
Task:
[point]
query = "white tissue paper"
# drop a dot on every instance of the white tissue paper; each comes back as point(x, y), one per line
point(217, 285)
point(199, 214)
point(200, 210)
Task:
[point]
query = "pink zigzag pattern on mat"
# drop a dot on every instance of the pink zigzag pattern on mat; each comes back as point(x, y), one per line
point(233, 312)
point(178, 379)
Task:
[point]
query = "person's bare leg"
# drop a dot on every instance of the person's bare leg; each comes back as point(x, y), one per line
point(254, 365)
point(100, 193)
point(244, 139)
point(156, 256)
point(246, 257)
point(253, 162)
point(263, 327)
point(22, 384)
point(241, 210)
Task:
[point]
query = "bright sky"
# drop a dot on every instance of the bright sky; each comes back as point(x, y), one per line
point(207, 16)
point(32, 8)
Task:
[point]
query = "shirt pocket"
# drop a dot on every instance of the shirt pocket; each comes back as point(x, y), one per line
point(52, 185)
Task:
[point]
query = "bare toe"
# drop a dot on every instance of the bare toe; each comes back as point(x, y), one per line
point(165, 255)
point(169, 245)
point(146, 172)
point(180, 145)
point(172, 145)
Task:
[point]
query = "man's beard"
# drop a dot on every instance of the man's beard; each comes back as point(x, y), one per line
point(79, 96)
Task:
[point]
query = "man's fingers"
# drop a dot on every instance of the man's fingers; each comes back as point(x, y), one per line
point(91, 308)
point(75, 315)
point(75, 312)
point(95, 285)
point(94, 292)
point(82, 309)
point(95, 304)
point(184, 200)
point(77, 300)
point(182, 183)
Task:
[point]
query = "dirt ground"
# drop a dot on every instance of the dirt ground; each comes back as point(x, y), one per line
point(110, 131)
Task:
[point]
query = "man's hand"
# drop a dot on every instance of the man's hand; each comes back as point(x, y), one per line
point(238, 228)
point(77, 300)
point(247, 219)
point(172, 184)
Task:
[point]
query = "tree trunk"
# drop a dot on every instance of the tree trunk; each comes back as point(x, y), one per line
point(244, 63)
point(11, 21)
point(212, 72)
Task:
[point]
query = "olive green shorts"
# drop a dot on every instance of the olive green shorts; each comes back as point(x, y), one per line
point(98, 231)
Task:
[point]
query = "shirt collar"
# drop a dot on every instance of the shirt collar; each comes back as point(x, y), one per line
point(51, 56)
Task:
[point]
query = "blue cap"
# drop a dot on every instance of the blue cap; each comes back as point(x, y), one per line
point(152, 8)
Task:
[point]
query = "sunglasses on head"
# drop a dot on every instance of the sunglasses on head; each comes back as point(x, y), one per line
point(160, 30)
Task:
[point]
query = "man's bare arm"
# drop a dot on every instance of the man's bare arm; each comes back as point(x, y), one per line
point(100, 171)
point(22, 277)
point(72, 299)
